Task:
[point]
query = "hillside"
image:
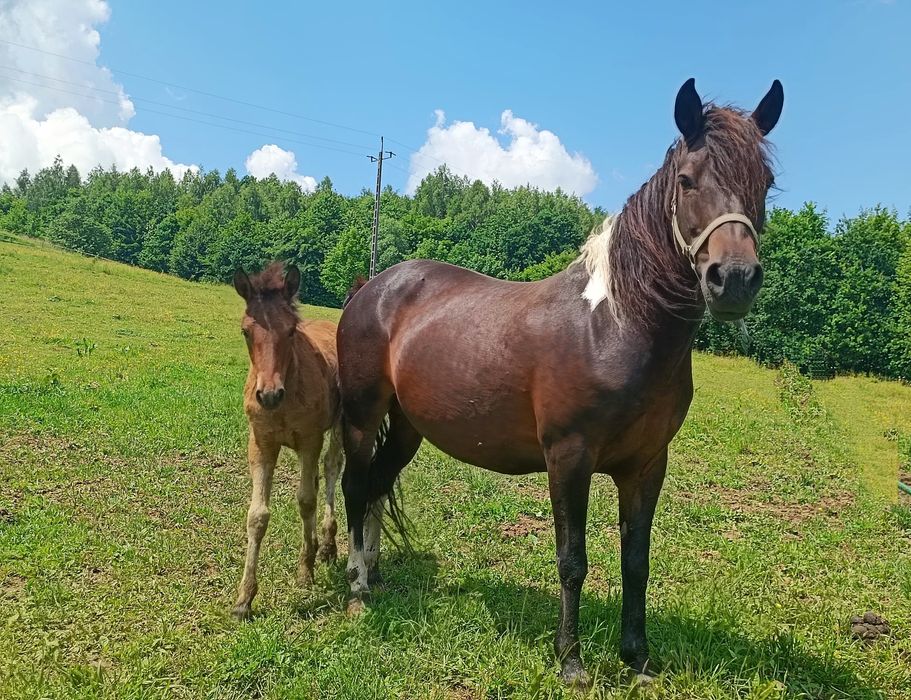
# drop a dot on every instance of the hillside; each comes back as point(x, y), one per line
point(123, 490)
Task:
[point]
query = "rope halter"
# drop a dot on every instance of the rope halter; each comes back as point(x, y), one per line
point(690, 250)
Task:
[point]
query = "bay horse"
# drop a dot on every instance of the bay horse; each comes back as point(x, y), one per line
point(588, 371)
point(291, 399)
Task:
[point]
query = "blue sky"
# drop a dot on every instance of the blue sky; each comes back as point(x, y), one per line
point(600, 76)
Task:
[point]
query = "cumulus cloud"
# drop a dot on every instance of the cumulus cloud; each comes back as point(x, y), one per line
point(270, 159)
point(85, 118)
point(531, 156)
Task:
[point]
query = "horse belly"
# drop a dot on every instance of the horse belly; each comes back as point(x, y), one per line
point(494, 432)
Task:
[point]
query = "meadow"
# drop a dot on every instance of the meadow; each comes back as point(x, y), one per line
point(123, 492)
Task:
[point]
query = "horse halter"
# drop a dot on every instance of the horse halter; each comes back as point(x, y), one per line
point(690, 250)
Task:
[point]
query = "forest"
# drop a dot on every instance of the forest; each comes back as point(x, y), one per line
point(836, 297)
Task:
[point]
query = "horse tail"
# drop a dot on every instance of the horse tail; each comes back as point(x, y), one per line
point(389, 458)
point(354, 289)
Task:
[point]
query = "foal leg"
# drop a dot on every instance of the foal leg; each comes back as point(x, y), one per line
point(307, 488)
point(332, 467)
point(569, 479)
point(262, 455)
point(638, 494)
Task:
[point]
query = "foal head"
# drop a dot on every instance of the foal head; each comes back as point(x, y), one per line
point(722, 178)
point(269, 325)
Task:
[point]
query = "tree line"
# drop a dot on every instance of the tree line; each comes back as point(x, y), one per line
point(835, 299)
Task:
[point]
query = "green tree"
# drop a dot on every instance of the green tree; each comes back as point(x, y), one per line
point(349, 257)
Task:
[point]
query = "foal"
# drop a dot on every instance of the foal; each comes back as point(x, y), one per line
point(291, 400)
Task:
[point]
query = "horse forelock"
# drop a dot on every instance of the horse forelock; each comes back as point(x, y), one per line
point(268, 300)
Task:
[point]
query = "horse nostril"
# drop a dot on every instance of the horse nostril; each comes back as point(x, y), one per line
point(713, 278)
point(753, 278)
point(259, 396)
point(279, 395)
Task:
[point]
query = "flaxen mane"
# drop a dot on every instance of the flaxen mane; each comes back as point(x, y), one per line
point(632, 261)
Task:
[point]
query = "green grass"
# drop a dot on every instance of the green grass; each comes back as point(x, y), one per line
point(123, 490)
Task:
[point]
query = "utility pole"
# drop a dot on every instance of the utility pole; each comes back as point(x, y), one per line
point(378, 159)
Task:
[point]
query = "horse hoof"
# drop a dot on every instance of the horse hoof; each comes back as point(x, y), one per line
point(574, 676)
point(242, 612)
point(641, 680)
point(327, 553)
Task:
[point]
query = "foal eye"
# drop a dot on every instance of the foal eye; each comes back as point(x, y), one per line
point(686, 182)
point(245, 333)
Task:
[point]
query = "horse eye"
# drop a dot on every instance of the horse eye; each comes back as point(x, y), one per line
point(686, 182)
point(245, 333)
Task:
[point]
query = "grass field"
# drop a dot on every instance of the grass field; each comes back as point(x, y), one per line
point(123, 491)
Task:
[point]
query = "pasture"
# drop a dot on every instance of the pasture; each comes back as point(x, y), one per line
point(123, 492)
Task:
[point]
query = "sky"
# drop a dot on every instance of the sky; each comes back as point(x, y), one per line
point(571, 95)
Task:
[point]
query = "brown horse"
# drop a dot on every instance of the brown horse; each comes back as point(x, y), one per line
point(586, 372)
point(291, 400)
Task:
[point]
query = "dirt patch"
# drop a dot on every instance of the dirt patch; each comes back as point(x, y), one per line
point(462, 692)
point(746, 502)
point(534, 491)
point(524, 526)
point(12, 586)
point(869, 627)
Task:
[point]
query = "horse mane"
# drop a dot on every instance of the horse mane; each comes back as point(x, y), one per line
point(633, 263)
point(268, 288)
point(354, 289)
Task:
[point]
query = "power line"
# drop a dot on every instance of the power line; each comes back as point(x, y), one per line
point(189, 89)
point(190, 119)
point(171, 106)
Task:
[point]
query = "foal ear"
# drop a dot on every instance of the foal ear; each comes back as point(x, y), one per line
point(292, 282)
point(688, 112)
point(769, 110)
point(242, 283)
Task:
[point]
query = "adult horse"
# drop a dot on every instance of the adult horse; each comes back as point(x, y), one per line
point(586, 371)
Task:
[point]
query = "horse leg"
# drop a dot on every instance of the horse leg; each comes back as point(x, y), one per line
point(262, 455)
point(638, 496)
point(307, 487)
point(399, 446)
point(569, 479)
point(360, 427)
point(332, 466)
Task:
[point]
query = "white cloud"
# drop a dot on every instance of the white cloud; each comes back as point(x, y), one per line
point(270, 159)
point(84, 120)
point(532, 156)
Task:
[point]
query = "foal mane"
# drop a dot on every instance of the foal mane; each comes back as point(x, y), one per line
point(633, 263)
point(268, 291)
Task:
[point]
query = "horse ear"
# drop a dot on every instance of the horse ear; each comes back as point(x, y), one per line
point(292, 282)
point(688, 112)
point(769, 110)
point(242, 283)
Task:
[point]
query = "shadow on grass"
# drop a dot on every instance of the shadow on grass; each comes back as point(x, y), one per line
point(405, 576)
point(680, 643)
